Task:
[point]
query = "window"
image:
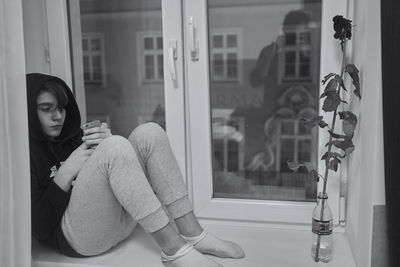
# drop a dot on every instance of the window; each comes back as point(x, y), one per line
point(93, 58)
point(295, 144)
point(297, 54)
point(228, 143)
point(225, 55)
point(152, 62)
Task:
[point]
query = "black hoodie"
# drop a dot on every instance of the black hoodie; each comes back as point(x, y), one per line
point(48, 201)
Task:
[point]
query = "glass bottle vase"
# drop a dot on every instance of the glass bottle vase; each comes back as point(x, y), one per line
point(322, 224)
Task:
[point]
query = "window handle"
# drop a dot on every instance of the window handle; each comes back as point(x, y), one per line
point(193, 44)
point(172, 56)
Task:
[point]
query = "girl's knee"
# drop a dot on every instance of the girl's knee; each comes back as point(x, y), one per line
point(115, 142)
point(147, 131)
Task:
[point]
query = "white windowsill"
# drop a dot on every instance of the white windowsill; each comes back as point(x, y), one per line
point(263, 247)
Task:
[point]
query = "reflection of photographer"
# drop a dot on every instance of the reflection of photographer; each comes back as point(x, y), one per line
point(115, 187)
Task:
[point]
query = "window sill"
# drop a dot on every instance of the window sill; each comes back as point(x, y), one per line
point(263, 247)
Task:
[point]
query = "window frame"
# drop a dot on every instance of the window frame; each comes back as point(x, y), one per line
point(89, 36)
point(141, 62)
point(297, 48)
point(198, 80)
point(224, 50)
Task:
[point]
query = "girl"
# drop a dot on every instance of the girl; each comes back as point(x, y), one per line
point(90, 188)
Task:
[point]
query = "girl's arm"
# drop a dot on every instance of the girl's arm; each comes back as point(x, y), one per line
point(72, 166)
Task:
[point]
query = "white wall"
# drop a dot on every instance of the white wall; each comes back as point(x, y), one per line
point(15, 212)
point(365, 166)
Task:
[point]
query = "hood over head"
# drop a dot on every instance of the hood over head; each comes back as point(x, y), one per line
point(71, 129)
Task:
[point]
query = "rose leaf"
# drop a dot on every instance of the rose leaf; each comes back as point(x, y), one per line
point(334, 163)
point(352, 70)
point(331, 102)
point(349, 122)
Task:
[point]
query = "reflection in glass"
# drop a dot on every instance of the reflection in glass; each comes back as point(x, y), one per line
point(123, 62)
point(264, 77)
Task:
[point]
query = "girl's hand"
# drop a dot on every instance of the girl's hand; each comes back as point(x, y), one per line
point(72, 166)
point(94, 136)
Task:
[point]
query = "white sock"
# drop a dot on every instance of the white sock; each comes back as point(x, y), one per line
point(187, 257)
point(209, 244)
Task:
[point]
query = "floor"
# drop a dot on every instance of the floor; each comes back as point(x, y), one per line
point(263, 247)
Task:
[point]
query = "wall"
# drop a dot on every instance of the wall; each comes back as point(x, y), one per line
point(365, 166)
point(15, 227)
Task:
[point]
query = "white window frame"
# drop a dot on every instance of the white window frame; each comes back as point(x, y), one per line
point(246, 211)
point(90, 54)
point(224, 32)
point(142, 53)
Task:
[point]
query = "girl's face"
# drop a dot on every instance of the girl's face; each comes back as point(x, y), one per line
point(50, 114)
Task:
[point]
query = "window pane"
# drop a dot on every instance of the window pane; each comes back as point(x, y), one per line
point(232, 65)
point(290, 57)
point(264, 87)
point(218, 41)
point(305, 57)
point(231, 40)
point(159, 43)
point(305, 38)
point(290, 38)
point(119, 76)
point(85, 45)
point(148, 43)
point(304, 150)
point(95, 44)
point(160, 67)
point(304, 129)
point(287, 127)
point(218, 65)
point(149, 60)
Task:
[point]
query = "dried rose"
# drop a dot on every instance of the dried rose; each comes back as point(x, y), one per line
point(342, 27)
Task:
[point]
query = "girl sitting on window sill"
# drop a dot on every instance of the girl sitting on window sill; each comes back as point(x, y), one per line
point(90, 188)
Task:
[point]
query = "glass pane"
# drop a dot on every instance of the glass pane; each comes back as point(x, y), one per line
point(160, 66)
point(290, 38)
point(95, 44)
point(159, 43)
point(85, 45)
point(122, 72)
point(287, 127)
point(232, 40)
point(218, 41)
point(304, 38)
point(232, 65)
point(218, 66)
point(260, 52)
point(148, 43)
point(304, 150)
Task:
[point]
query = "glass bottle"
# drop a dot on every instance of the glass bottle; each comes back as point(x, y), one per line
point(322, 230)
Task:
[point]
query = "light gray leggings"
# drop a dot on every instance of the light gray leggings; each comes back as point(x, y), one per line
point(124, 182)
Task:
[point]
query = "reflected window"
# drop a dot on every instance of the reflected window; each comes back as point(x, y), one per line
point(297, 54)
point(224, 55)
point(295, 143)
point(152, 63)
point(93, 58)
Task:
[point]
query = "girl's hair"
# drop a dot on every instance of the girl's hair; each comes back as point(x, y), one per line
point(58, 90)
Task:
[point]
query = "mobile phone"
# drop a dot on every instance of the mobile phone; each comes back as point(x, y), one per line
point(91, 124)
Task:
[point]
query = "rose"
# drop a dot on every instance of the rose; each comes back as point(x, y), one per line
point(342, 27)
